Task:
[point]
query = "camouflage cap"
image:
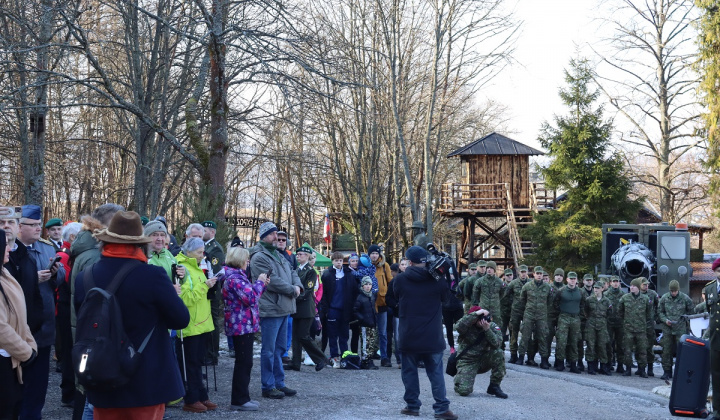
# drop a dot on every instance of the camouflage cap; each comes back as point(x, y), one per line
point(614, 278)
point(545, 274)
point(523, 267)
point(572, 275)
point(482, 263)
point(508, 271)
point(539, 269)
point(636, 282)
point(472, 266)
point(674, 286)
point(644, 280)
point(559, 272)
point(491, 264)
point(598, 285)
point(588, 276)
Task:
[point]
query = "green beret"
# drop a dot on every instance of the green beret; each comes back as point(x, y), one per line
point(144, 220)
point(209, 224)
point(305, 249)
point(636, 282)
point(472, 266)
point(674, 286)
point(572, 275)
point(491, 264)
point(508, 271)
point(588, 276)
point(559, 272)
point(539, 269)
point(53, 222)
point(482, 263)
point(523, 267)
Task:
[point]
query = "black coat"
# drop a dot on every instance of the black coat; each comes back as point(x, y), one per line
point(305, 303)
point(23, 268)
point(420, 297)
point(350, 291)
point(364, 310)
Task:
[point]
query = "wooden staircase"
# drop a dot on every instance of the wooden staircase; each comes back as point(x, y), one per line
point(520, 248)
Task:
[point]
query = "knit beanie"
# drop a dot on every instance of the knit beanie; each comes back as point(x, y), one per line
point(154, 226)
point(266, 229)
point(373, 248)
point(559, 272)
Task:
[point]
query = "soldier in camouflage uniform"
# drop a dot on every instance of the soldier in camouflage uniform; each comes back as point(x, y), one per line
point(512, 293)
point(636, 311)
point(567, 303)
point(655, 300)
point(615, 322)
point(711, 296)
point(506, 304)
point(419, 236)
point(472, 272)
point(470, 283)
point(216, 257)
point(673, 305)
point(487, 292)
point(597, 308)
point(587, 288)
point(534, 301)
point(482, 338)
point(553, 312)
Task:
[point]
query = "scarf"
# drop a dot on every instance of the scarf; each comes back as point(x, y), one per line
point(124, 251)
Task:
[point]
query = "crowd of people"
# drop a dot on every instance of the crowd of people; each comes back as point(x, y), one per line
point(177, 299)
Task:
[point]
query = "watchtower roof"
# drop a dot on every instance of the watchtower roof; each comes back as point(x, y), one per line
point(495, 144)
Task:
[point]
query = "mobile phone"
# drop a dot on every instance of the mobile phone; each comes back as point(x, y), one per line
point(269, 273)
point(53, 262)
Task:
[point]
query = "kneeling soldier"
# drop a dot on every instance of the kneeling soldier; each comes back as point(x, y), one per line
point(483, 340)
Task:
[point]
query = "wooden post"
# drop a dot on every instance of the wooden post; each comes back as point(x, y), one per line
point(471, 254)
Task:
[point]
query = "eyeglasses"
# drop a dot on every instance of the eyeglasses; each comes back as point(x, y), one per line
point(35, 225)
point(282, 240)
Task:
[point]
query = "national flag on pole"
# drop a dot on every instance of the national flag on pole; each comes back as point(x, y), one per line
point(326, 230)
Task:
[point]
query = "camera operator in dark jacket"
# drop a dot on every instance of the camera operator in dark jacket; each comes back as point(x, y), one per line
point(420, 332)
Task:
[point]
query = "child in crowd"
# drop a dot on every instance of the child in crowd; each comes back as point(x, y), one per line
point(364, 314)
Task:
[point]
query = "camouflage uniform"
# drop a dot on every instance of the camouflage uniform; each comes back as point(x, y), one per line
point(505, 307)
point(652, 296)
point(481, 357)
point(512, 292)
point(596, 331)
point(534, 300)
point(636, 311)
point(486, 294)
point(583, 323)
point(615, 322)
point(461, 289)
point(712, 300)
point(567, 303)
point(216, 258)
point(553, 313)
point(672, 309)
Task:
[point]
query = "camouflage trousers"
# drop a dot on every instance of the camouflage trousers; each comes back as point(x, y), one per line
point(505, 327)
point(466, 306)
point(597, 339)
point(515, 323)
point(651, 341)
point(538, 329)
point(669, 343)
point(552, 330)
point(615, 342)
point(635, 342)
point(568, 331)
point(372, 342)
point(581, 342)
point(470, 366)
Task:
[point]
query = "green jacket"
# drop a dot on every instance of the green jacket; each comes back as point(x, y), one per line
point(512, 292)
point(215, 255)
point(553, 311)
point(535, 300)
point(672, 309)
point(614, 296)
point(596, 312)
point(653, 296)
point(193, 293)
point(306, 301)
point(569, 301)
point(636, 311)
point(486, 293)
point(468, 333)
point(712, 299)
point(164, 259)
point(467, 287)
point(278, 299)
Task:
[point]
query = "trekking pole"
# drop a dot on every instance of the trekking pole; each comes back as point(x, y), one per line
point(175, 280)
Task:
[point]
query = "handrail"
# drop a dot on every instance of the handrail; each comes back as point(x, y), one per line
point(460, 196)
point(513, 233)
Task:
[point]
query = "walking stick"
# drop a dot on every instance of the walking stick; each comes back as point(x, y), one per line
point(175, 280)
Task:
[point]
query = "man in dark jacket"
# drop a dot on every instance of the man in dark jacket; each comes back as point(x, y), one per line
point(150, 304)
point(420, 332)
point(216, 257)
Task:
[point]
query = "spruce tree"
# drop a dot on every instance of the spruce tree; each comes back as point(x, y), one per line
point(591, 174)
point(708, 67)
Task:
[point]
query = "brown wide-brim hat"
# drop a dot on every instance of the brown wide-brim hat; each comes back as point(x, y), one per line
point(124, 228)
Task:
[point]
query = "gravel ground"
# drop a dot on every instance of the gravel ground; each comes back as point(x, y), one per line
point(346, 394)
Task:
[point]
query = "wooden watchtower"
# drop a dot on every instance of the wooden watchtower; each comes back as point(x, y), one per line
point(495, 199)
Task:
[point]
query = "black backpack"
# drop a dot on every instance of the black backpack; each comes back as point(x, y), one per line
point(103, 356)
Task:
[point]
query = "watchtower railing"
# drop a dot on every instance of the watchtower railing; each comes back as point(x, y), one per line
point(540, 197)
point(469, 197)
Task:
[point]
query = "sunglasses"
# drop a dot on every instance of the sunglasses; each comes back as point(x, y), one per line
point(282, 240)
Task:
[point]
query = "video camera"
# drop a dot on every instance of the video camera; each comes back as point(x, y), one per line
point(441, 266)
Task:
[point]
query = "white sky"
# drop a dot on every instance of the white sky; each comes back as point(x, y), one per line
point(551, 33)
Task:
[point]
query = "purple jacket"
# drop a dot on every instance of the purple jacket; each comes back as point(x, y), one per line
point(241, 302)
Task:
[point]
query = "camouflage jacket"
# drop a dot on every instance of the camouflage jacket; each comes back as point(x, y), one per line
point(712, 298)
point(467, 286)
point(614, 296)
point(636, 311)
point(512, 292)
point(654, 299)
point(468, 333)
point(672, 309)
point(535, 300)
point(597, 312)
point(553, 311)
point(486, 293)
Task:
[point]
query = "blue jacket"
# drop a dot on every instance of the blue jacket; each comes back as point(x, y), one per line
point(147, 299)
point(420, 297)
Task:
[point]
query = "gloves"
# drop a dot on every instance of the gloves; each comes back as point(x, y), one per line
point(31, 360)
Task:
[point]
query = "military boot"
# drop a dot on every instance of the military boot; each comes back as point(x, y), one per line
point(513, 357)
point(628, 370)
point(519, 360)
point(620, 368)
point(591, 368)
point(643, 374)
point(667, 375)
point(580, 366)
point(650, 370)
point(544, 363)
point(531, 361)
point(573, 367)
point(494, 389)
point(605, 369)
point(559, 365)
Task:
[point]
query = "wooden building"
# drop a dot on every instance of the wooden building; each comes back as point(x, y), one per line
point(494, 197)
